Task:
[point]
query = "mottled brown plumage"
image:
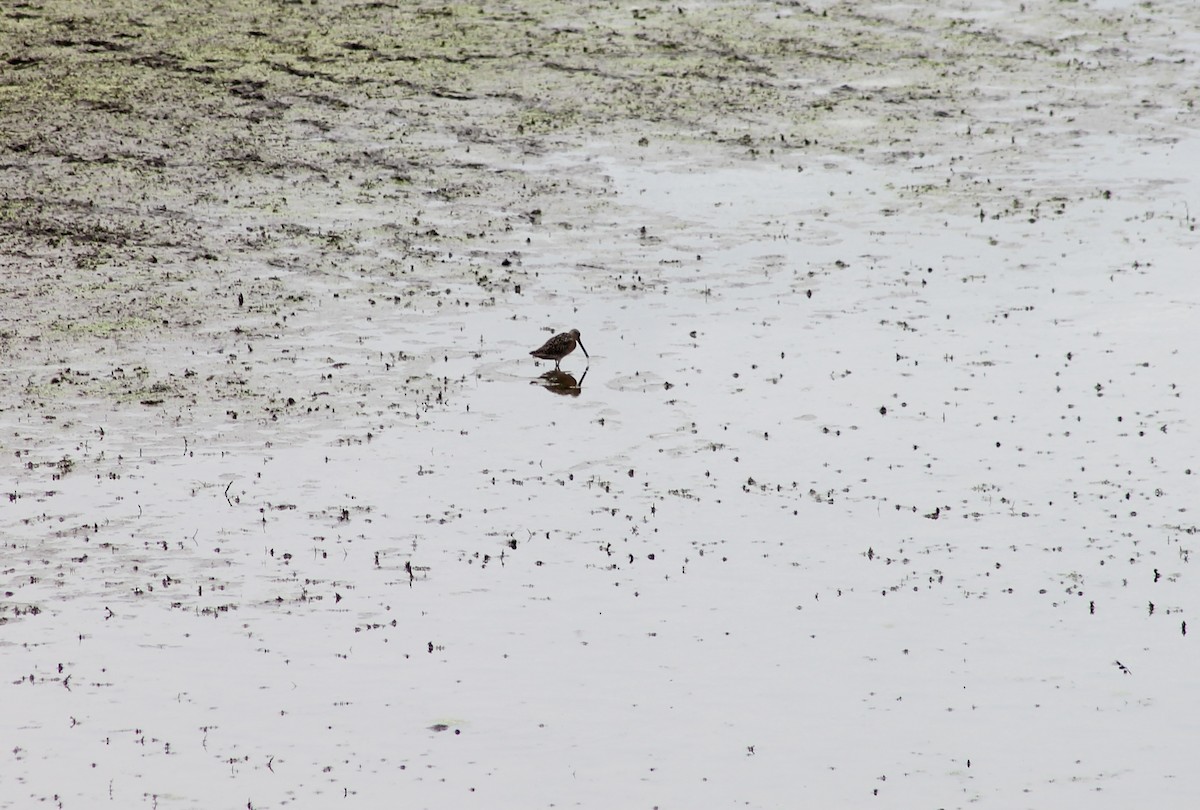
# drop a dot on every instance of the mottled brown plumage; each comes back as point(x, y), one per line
point(559, 346)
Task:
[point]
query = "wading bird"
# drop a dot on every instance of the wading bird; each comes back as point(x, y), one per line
point(559, 346)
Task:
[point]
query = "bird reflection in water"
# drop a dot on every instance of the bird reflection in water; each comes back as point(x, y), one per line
point(560, 382)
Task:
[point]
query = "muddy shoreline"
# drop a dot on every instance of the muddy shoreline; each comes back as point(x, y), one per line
point(161, 162)
point(882, 456)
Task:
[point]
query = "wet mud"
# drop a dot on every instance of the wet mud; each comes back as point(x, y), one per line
point(875, 486)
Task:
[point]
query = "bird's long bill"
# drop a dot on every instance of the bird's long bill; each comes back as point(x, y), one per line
point(585, 354)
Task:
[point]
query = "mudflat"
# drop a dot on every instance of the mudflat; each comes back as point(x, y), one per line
point(874, 488)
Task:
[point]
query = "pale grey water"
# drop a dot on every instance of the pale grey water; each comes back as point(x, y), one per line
point(883, 545)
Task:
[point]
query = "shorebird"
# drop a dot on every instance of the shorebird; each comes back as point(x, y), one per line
point(559, 346)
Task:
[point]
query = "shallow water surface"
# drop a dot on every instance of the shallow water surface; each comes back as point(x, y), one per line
point(875, 490)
